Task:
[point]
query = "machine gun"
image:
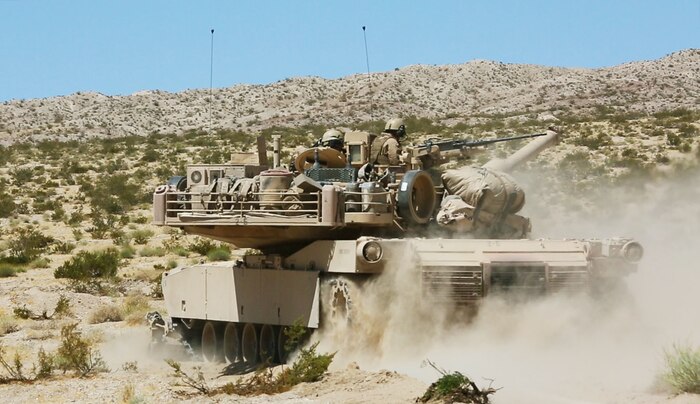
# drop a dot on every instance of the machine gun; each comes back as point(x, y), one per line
point(434, 151)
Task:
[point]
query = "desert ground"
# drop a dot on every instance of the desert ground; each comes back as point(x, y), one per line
point(628, 165)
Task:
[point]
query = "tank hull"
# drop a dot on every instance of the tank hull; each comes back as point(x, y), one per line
point(281, 291)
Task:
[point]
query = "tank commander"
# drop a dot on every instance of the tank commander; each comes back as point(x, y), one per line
point(386, 149)
point(335, 139)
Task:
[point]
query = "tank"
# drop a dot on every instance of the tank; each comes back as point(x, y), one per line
point(331, 220)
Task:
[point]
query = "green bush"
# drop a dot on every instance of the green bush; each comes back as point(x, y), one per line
point(219, 254)
point(102, 224)
point(7, 270)
point(202, 246)
point(63, 247)
point(26, 245)
point(77, 353)
point(127, 251)
point(141, 236)
point(454, 387)
point(152, 252)
point(7, 205)
point(106, 314)
point(62, 308)
point(683, 369)
point(42, 262)
point(86, 265)
point(23, 312)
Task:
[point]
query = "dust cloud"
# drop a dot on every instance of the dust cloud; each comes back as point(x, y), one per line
point(133, 345)
point(559, 349)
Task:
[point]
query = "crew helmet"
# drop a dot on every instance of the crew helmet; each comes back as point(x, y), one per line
point(396, 127)
point(333, 138)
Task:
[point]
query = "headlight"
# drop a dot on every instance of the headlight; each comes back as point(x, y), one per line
point(632, 251)
point(370, 251)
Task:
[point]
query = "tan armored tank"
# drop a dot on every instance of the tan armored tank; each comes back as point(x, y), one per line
point(334, 218)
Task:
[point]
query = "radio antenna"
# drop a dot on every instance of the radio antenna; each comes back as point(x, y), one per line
point(369, 76)
point(211, 78)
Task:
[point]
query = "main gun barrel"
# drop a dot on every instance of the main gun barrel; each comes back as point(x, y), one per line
point(527, 152)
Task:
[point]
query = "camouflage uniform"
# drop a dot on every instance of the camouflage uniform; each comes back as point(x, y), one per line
point(386, 150)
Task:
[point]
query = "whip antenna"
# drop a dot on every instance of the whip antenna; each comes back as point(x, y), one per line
point(211, 78)
point(369, 76)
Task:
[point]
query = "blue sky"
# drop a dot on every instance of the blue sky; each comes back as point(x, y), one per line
point(51, 47)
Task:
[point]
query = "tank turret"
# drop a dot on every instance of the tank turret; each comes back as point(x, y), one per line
point(253, 207)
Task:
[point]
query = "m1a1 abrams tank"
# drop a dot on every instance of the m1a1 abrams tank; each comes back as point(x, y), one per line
point(333, 219)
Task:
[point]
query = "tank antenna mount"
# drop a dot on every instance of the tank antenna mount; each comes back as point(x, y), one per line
point(369, 76)
point(211, 78)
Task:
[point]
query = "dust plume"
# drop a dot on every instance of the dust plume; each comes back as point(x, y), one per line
point(134, 345)
point(559, 349)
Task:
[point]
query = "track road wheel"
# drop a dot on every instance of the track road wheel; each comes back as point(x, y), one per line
point(267, 344)
point(232, 343)
point(249, 344)
point(210, 343)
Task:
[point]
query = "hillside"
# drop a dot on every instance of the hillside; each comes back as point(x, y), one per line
point(446, 94)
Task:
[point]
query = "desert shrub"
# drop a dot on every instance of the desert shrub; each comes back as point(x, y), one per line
point(157, 287)
point(309, 367)
point(104, 314)
point(45, 364)
point(127, 251)
point(683, 369)
point(7, 270)
point(593, 142)
point(219, 254)
point(77, 353)
point(8, 325)
point(673, 140)
point(7, 205)
point(63, 247)
point(454, 387)
point(197, 382)
point(97, 286)
point(62, 308)
point(141, 236)
point(114, 193)
point(27, 244)
point(150, 156)
point(23, 312)
point(118, 236)
point(102, 224)
point(21, 176)
point(140, 219)
point(171, 264)
point(76, 217)
point(14, 368)
point(77, 234)
point(42, 262)
point(202, 246)
point(152, 252)
point(135, 308)
point(58, 214)
point(86, 264)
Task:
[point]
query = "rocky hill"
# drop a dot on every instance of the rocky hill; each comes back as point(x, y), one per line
point(447, 94)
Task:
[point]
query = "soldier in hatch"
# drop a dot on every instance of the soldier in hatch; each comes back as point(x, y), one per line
point(386, 149)
point(335, 139)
